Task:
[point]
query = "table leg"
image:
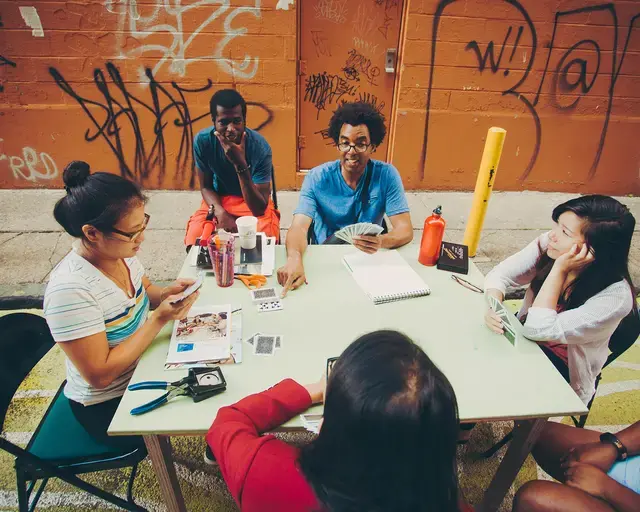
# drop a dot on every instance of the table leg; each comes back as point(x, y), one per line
point(524, 437)
point(159, 448)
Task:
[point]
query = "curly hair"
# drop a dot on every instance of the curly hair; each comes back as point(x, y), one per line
point(357, 113)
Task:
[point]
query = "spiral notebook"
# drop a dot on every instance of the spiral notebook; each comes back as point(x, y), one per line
point(385, 276)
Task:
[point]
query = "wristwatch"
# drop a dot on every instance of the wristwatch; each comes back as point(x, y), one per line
point(607, 437)
point(243, 170)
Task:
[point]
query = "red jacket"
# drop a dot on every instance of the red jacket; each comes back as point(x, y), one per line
point(261, 471)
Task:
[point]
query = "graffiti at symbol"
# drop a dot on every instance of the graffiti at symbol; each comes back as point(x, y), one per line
point(117, 117)
point(574, 73)
point(357, 63)
point(334, 11)
point(322, 89)
point(31, 166)
point(168, 19)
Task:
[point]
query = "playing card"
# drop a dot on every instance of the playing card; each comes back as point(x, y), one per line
point(264, 295)
point(252, 339)
point(264, 345)
point(509, 334)
point(275, 305)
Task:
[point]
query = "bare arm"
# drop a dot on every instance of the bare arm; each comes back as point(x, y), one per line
point(401, 234)
point(256, 196)
point(100, 365)
point(291, 275)
point(157, 294)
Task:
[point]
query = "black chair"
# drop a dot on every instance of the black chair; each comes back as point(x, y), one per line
point(60, 447)
point(621, 340)
point(274, 196)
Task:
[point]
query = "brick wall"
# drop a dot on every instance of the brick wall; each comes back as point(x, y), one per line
point(570, 101)
point(124, 85)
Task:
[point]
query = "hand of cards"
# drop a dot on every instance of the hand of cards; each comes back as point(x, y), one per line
point(508, 320)
point(361, 228)
point(311, 422)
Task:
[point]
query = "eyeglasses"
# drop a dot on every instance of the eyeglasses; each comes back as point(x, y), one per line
point(467, 284)
point(361, 147)
point(330, 364)
point(132, 237)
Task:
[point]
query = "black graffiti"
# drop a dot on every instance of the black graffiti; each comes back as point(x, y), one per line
point(372, 100)
point(324, 133)
point(571, 75)
point(117, 122)
point(4, 61)
point(320, 43)
point(322, 89)
point(362, 64)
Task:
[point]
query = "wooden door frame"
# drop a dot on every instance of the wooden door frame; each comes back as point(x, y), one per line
point(391, 132)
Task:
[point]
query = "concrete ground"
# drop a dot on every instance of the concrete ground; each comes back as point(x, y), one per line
point(32, 243)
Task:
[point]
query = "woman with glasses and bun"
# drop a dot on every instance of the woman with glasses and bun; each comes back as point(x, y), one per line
point(354, 188)
point(98, 298)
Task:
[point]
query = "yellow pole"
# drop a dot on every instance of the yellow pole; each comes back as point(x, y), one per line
point(484, 185)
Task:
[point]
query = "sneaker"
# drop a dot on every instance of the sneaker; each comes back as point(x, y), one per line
point(209, 458)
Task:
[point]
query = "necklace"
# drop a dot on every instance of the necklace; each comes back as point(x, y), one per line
point(123, 283)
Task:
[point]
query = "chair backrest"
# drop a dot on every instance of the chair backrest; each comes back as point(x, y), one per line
point(624, 336)
point(274, 196)
point(24, 340)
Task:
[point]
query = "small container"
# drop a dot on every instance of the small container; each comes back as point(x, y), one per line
point(222, 252)
point(432, 238)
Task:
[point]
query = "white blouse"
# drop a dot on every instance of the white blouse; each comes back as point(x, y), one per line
point(586, 329)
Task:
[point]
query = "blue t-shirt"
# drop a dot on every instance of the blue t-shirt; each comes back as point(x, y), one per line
point(210, 158)
point(331, 204)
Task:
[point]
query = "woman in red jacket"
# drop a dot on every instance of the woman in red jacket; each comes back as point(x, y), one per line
point(387, 442)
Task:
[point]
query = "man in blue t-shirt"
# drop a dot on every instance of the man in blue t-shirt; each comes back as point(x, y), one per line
point(234, 167)
point(353, 189)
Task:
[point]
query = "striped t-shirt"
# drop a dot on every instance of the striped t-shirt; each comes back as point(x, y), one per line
point(81, 301)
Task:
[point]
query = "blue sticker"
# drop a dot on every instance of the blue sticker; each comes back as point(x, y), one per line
point(185, 347)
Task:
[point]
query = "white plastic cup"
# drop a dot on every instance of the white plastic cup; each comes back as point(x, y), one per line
point(247, 228)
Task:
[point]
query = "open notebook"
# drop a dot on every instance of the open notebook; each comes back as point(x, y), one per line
point(385, 276)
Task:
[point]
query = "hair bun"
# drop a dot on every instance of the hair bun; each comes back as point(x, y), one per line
point(75, 174)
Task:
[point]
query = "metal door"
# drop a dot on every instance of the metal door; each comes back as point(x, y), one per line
point(348, 52)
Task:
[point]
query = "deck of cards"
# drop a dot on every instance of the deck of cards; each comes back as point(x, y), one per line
point(265, 344)
point(361, 228)
point(510, 330)
point(266, 299)
point(311, 422)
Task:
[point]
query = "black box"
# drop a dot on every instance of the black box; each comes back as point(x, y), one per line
point(454, 258)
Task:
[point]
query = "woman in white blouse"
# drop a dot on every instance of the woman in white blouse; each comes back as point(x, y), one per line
point(580, 288)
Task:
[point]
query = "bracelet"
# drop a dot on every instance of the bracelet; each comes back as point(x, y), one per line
point(243, 170)
point(607, 437)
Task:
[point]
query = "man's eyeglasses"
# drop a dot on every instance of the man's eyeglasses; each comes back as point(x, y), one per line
point(132, 237)
point(361, 147)
point(467, 284)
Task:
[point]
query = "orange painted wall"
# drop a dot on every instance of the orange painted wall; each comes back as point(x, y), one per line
point(568, 153)
point(81, 91)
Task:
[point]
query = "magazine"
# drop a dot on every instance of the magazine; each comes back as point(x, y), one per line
point(204, 335)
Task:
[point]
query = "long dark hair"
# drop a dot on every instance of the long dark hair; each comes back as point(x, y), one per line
point(608, 228)
point(97, 199)
point(388, 441)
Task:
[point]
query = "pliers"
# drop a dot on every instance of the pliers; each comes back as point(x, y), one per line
point(255, 280)
point(188, 386)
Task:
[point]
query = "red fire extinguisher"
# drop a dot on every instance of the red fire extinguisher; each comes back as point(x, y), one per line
point(432, 238)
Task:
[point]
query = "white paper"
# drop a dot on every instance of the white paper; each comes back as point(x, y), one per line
point(32, 20)
point(284, 4)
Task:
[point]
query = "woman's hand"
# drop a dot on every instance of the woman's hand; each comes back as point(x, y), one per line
point(574, 260)
point(317, 390)
point(177, 287)
point(493, 321)
point(588, 478)
point(166, 311)
point(600, 455)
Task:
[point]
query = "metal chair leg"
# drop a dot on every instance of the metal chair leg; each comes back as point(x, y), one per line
point(23, 498)
point(132, 477)
point(492, 451)
point(39, 492)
